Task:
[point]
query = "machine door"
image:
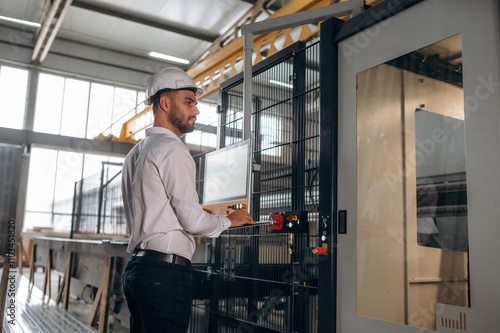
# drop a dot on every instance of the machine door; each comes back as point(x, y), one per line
point(418, 171)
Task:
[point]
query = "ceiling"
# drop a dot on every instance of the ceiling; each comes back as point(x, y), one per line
point(180, 28)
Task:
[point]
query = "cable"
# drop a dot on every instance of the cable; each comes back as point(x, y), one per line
point(92, 296)
point(311, 182)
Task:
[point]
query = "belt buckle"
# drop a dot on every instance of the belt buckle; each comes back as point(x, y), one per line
point(169, 258)
point(179, 260)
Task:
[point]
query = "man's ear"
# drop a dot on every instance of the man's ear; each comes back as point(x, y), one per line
point(164, 102)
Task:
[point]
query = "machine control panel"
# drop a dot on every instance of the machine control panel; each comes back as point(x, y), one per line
point(237, 206)
point(290, 222)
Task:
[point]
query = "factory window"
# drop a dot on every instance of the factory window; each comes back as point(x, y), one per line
point(271, 134)
point(65, 105)
point(40, 188)
point(13, 84)
point(208, 114)
point(206, 123)
point(68, 171)
point(52, 176)
point(202, 139)
point(100, 109)
point(124, 107)
point(75, 105)
point(145, 120)
point(141, 96)
point(49, 103)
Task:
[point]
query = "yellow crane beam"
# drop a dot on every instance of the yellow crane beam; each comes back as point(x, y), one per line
point(228, 61)
point(225, 62)
point(131, 127)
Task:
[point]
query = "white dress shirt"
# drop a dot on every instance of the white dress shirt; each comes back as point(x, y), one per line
point(159, 196)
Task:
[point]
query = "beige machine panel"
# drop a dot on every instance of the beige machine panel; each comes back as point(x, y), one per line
point(225, 208)
point(398, 280)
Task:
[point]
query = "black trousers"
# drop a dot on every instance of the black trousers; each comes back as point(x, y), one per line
point(158, 295)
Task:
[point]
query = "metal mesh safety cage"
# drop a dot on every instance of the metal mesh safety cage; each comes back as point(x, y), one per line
point(263, 280)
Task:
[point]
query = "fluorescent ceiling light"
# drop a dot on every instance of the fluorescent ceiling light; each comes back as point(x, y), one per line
point(168, 57)
point(23, 22)
point(279, 83)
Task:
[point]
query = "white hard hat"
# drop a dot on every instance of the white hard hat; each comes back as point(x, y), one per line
point(170, 78)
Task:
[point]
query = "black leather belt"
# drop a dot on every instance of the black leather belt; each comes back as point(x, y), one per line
point(170, 258)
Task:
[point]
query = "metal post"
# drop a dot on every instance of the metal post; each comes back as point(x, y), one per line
point(78, 221)
point(73, 213)
point(29, 120)
point(213, 314)
point(299, 130)
point(247, 110)
point(101, 196)
point(257, 158)
point(222, 114)
point(327, 265)
point(254, 210)
point(247, 85)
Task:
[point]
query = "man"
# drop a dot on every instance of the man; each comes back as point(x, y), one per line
point(163, 212)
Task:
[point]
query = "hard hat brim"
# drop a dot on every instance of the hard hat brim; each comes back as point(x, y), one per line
point(198, 92)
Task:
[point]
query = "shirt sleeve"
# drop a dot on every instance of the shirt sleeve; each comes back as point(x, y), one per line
point(177, 171)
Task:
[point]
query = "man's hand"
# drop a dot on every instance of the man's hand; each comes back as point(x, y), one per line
point(239, 218)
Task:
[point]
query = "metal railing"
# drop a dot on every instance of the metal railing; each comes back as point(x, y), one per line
point(97, 203)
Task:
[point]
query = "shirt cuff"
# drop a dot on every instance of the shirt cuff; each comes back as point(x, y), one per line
point(226, 222)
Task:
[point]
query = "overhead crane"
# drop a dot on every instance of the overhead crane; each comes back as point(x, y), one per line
point(222, 62)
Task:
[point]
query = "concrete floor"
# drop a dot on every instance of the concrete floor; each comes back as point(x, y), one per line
point(79, 307)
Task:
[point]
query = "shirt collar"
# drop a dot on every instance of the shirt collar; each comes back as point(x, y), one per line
point(161, 130)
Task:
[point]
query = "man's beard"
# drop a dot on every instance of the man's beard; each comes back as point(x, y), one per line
point(176, 119)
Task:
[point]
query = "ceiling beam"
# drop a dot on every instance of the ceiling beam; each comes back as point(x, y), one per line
point(178, 29)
